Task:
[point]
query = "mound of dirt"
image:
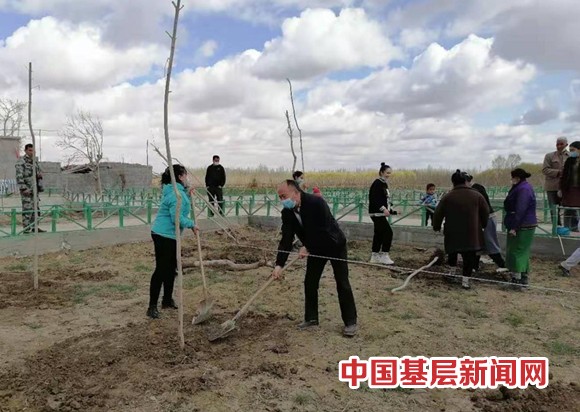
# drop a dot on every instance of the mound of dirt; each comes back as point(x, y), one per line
point(96, 274)
point(16, 289)
point(101, 370)
point(556, 397)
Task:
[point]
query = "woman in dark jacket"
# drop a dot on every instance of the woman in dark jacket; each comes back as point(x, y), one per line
point(492, 247)
point(165, 244)
point(465, 213)
point(520, 220)
point(380, 209)
point(570, 186)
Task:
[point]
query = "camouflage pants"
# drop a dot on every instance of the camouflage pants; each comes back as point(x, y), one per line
point(28, 212)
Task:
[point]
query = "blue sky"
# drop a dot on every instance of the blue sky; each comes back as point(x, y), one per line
point(371, 81)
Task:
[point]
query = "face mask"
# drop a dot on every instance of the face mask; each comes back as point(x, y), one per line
point(574, 154)
point(216, 163)
point(299, 180)
point(288, 204)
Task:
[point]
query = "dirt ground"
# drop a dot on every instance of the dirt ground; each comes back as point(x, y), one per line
point(82, 341)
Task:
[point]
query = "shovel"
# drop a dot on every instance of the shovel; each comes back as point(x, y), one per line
point(204, 307)
point(228, 326)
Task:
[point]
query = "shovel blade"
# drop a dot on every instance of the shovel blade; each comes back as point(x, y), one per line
point(203, 311)
point(222, 331)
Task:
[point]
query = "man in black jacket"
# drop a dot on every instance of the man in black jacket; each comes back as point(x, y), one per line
point(215, 180)
point(308, 217)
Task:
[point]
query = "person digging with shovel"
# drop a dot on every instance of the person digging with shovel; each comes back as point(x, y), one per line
point(163, 235)
point(308, 217)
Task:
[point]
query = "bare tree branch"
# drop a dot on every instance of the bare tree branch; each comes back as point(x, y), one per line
point(82, 138)
point(11, 116)
point(291, 136)
point(296, 123)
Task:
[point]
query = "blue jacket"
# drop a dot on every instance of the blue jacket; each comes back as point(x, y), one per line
point(164, 224)
point(429, 200)
point(520, 207)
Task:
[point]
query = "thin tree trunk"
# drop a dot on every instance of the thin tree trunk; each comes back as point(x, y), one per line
point(296, 123)
point(34, 181)
point(99, 184)
point(173, 37)
point(291, 136)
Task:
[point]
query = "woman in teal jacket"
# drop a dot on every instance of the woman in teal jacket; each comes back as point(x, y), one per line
point(163, 234)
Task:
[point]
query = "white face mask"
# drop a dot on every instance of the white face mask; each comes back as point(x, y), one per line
point(216, 163)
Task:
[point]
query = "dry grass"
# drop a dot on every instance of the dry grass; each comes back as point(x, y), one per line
point(262, 177)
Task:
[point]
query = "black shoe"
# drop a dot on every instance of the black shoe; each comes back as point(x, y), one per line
point(525, 282)
point(41, 231)
point(307, 324)
point(563, 271)
point(516, 284)
point(152, 312)
point(169, 305)
point(26, 232)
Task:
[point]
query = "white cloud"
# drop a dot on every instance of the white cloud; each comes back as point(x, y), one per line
point(123, 23)
point(409, 117)
point(208, 48)
point(440, 82)
point(544, 33)
point(543, 111)
point(71, 57)
point(319, 42)
point(417, 38)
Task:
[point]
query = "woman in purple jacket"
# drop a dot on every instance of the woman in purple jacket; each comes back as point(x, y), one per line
point(520, 220)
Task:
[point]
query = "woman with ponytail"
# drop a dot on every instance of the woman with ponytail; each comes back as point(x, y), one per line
point(380, 209)
point(164, 242)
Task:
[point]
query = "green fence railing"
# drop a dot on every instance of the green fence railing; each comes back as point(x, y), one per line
point(120, 208)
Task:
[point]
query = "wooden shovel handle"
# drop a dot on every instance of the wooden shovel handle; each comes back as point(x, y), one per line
point(264, 286)
point(205, 292)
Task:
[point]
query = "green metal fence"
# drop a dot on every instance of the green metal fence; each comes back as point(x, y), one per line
point(117, 208)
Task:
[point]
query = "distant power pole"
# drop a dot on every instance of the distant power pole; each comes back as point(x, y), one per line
point(147, 152)
point(40, 144)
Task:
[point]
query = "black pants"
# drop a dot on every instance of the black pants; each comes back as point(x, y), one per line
point(165, 269)
point(383, 237)
point(469, 261)
point(216, 198)
point(553, 202)
point(571, 219)
point(314, 268)
point(428, 214)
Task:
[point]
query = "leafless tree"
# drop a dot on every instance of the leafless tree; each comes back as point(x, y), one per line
point(173, 36)
point(506, 163)
point(11, 116)
point(296, 123)
point(290, 132)
point(82, 138)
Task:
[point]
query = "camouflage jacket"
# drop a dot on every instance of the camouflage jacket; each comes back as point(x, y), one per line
point(24, 172)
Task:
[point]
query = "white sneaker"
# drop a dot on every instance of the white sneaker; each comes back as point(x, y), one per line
point(465, 282)
point(501, 270)
point(386, 259)
point(375, 258)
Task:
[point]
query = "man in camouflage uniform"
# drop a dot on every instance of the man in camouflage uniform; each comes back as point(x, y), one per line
point(24, 178)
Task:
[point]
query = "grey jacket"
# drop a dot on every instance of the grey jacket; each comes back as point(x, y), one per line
point(552, 169)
